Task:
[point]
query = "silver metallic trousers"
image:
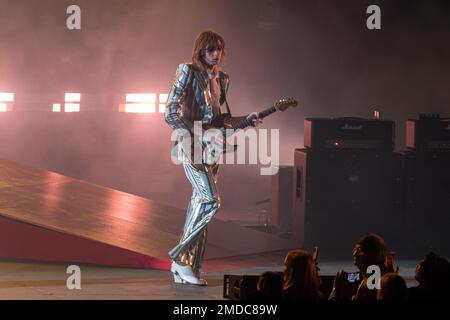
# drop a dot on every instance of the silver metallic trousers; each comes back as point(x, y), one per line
point(205, 202)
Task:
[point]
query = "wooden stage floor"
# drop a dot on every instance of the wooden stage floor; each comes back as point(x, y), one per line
point(43, 281)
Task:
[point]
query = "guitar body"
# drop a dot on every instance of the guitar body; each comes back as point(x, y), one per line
point(213, 146)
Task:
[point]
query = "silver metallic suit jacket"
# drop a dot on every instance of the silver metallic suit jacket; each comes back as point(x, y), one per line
point(189, 98)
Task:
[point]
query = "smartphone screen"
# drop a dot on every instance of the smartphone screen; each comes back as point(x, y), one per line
point(353, 277)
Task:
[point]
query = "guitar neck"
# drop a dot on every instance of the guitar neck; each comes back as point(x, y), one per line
point(247, 122)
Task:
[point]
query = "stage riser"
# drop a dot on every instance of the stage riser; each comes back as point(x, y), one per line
point(25, 241)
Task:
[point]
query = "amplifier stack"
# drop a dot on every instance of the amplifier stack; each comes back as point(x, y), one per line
point(426, 170)
point(348, 181)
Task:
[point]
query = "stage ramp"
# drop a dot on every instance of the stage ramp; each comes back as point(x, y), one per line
point(46, 216)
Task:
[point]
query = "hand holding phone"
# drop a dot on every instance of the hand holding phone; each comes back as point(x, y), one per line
point(353, 277)
point(315, 253)
point(344, 288)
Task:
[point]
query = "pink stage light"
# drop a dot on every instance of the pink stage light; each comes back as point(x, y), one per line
point(139, 103)
point(140, 108)
point(162, 102)
point(141, 98)
point(6, 100)
point(72, 97)
point(56, 107)
point(71, 107)
point(72, 102)
point(6, 97)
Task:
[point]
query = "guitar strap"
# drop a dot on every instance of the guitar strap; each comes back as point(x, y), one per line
point(226, 104)
point(225, 98)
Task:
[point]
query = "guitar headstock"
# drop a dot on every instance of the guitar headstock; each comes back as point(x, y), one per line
point(284, 104)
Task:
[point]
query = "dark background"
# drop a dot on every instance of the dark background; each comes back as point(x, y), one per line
point(319, 52)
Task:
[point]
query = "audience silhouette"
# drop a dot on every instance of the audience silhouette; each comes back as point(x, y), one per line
point(301, 277)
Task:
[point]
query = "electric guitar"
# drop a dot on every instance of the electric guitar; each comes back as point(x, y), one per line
point(216, 144)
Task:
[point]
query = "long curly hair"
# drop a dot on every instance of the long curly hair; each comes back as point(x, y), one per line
point(205, 38)
point(301, 279)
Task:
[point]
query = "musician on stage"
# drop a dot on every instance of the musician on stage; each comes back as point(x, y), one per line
point(198, 91)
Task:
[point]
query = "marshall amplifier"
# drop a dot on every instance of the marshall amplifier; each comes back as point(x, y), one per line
point(349, 133)
point(429, 133)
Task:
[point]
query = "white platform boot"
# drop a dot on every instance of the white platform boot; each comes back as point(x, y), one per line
point(185, 275)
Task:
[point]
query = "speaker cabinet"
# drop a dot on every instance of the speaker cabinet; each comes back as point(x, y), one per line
point(281, 199)
point(427, 200)
point(340, 195)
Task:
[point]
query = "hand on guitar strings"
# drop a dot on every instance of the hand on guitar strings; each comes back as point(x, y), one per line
point(254, 117)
